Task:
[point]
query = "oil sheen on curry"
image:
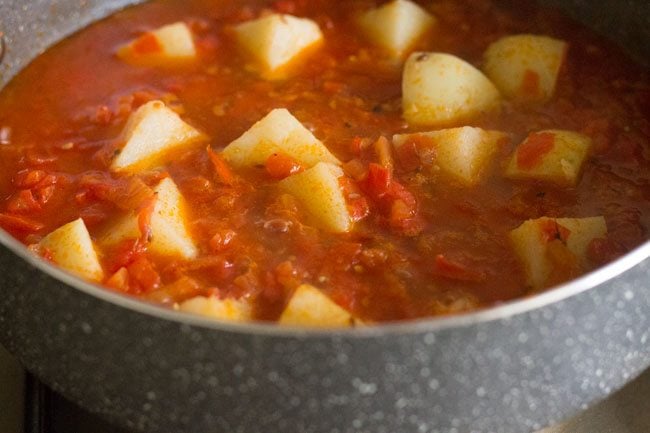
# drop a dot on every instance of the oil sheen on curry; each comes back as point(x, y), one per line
point(328, 163)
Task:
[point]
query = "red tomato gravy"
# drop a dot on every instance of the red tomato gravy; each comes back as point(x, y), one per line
point(60, 114)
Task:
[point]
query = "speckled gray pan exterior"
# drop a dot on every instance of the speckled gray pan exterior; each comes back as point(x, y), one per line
point(512, 369)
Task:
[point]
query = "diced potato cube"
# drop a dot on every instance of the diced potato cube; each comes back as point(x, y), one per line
point(531, 242)
point(73, 250)
point(581, 232)
point(440, 89)
point(221, 309)
point(276, 40)
point(463, 153)
point(312, 308)
point(150, 134)
point(170, 236)
point(525, 66)
point(167, 45)
point(319, 191)
point(552, 155)
point(396, 26)
point(279, 131)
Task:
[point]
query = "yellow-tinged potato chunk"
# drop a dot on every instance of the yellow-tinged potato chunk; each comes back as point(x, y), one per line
point(552, 156)
point(170, 236)
point(312, 308)
point(525, 66)
point(73, 250)
point(463, 153)
point(221, 309)
point(150, 134)
point(439, 89)
point(276, 40)
point(279, 131)
point(319, 191)
point(164, 46)
point(554, 250)
point(396, 26)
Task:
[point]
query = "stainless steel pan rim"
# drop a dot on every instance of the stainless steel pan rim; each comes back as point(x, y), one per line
point(587, 282)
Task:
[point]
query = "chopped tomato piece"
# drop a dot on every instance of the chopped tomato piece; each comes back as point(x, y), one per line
point(143, 273)
point(532, 151)
point(221, 168)
point(147, 44)
point(287, 275)
point(358, 208)
point(378, 181)
point(402, 208)
point(400, 211)
point(23, 202)
point(397, 191)
point(29, 178)
point(456, 270)
point(358, 145)
point(94, 215)
point(281, 165)
point(126, 253)
point(356, 169)
point(14, 222)
point(407, 155)
point(551, 230)
point(396, 202)
point(126, 194)
point(43, 195)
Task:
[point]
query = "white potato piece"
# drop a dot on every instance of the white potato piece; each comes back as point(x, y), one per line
point(319, 191)
point(440, 89)
point(73, 250)
point(232, 310)
point(552, 155)
point(276, 40)
point(151, 132)
point(525, 66)
point(464, 153)
point(170, 236)
point(278, 131)
point(310, 307)
point(396, 26)
point(582, 232)
point(531, 244)
point(167, 45)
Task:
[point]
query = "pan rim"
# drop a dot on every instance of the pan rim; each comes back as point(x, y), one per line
point(506, 310)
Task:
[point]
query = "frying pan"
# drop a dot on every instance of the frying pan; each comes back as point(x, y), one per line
point(514, 368)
